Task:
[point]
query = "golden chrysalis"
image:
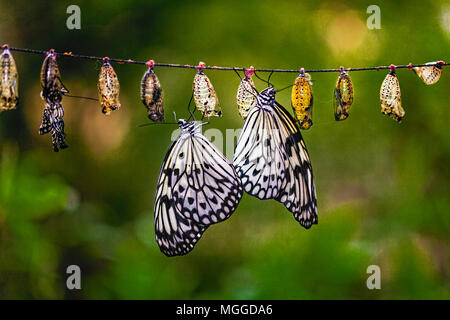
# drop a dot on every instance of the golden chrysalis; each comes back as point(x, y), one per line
point(302, 100)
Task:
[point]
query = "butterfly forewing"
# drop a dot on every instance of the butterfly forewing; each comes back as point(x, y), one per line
point(174, 234)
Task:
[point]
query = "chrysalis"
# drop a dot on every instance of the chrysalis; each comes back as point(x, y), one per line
point(246, 94)
point(9, 92)
point(431, 74)
point(390, 96)
point(343, 96)
point(205, 96)
point(52, 87)
point(302, 100)
point(108, 88)
point(151, 94)
point(52, 92)
point(53, 123)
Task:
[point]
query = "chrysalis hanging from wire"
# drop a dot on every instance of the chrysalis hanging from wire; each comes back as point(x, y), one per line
point(343, 96)
point(9, 91)
point(52, 92)
point(108, 88)
point(52, 87)
point(390, 96)
point(431, 74)
point(246, 94)
point(152, 95)
point(302, 100)
point(204, 94)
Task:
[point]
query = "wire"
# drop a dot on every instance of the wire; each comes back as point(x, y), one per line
point(187, 66)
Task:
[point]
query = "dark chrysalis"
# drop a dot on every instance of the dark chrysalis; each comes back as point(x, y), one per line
point(343, 96)
point(52, 92)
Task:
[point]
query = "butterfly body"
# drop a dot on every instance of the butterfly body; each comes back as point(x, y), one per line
point(9, 92)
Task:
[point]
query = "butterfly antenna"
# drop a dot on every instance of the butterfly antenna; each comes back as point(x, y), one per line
point(268, 79)
point(154, 123)
point(263, 80)
point(237, 73)
point(285, 88)
point(189, 108)
point(80, 97)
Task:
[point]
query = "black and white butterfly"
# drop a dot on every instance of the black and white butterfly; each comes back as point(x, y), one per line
point(272, 160)
point(197, 187)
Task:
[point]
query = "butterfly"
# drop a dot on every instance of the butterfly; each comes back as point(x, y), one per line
point(197, 187)
point(272, 160)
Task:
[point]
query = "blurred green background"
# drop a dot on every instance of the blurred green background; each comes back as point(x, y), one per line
point(383, 188)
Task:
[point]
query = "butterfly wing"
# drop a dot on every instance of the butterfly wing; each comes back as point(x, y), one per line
point(258, 158)
point(297, 193)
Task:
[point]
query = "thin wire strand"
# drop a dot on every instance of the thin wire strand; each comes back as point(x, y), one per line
point(187, 66)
